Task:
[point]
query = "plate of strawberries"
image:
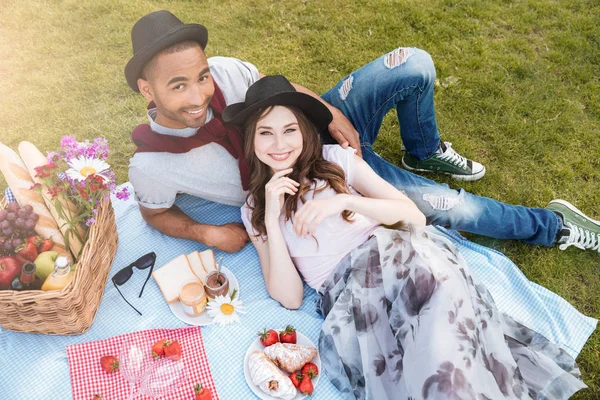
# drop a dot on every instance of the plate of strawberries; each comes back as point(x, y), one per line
point(282, 364)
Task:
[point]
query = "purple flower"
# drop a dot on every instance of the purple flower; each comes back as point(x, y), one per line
point(101, 147)
point(90, 221)
point(122, 194)
point(68, 142)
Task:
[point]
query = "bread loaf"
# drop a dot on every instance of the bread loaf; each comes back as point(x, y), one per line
point(18, 179)
point(34, 158)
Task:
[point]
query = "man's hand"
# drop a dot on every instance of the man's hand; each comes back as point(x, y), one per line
point(342, 130)
point(229, 237)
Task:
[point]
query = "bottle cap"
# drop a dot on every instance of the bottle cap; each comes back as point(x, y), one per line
point(61, 262)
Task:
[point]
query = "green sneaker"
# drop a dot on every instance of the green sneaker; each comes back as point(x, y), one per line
point(578, 230)
point(447, 162)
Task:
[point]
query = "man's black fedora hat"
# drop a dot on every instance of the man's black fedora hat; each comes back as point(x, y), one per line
point(155, 32)
point(276, 90)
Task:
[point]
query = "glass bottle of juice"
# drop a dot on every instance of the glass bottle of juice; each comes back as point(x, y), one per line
point(61, 276)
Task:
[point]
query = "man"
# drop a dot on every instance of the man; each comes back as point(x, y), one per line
point(187, 148)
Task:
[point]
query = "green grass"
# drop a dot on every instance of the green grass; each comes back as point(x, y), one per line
point(526, 103)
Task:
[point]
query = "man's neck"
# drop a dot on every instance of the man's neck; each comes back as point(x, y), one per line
point(163, 130)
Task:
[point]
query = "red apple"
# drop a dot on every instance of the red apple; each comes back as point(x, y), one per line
point(9, 268)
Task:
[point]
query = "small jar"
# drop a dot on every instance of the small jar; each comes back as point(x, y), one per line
point(193, 298)
point(216, 284)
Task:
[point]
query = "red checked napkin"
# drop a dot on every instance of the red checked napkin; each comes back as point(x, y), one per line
point(89, 379)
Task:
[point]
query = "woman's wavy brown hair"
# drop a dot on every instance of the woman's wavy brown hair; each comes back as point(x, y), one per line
point(308, 169)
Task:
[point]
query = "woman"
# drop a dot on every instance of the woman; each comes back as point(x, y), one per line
point(404, 318)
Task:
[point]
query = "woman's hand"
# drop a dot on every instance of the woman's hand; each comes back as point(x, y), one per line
point(275, 191)
point(313, 212)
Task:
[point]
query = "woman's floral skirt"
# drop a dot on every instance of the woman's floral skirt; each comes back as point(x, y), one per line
point(405, 319)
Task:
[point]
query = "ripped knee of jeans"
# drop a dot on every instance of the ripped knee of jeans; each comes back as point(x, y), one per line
point(442, 202)
point(344, 90)
point(397, 57)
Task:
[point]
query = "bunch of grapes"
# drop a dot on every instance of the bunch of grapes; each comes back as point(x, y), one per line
point(16, 224)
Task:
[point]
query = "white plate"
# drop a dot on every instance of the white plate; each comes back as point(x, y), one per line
point(204, 319)
point(256, 345)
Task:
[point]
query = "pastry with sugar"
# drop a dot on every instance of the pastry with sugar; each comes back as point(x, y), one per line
point(290, 357)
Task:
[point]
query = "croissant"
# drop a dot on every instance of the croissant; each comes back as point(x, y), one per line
point(269, 378)
point(290, 357)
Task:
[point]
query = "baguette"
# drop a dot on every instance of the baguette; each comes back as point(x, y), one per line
point(34, 158)
point(18, 179)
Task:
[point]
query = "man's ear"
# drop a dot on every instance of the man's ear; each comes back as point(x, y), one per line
point(145, 89)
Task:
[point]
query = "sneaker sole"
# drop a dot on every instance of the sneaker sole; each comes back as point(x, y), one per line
point(576, 210)
point(473, 177)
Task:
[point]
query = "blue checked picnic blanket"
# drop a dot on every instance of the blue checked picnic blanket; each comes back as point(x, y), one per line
point(35, 366)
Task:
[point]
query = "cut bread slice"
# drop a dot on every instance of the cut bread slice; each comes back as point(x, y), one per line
point(197, 266)
point(172, 275)
point(208, 260)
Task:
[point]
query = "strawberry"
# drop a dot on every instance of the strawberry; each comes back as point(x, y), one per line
point(45, 245)
point(306, 386)
point(295, 378)
point(172, 350)
point(268, 338)
point(36, 240)
point(28, 251)
point(202, 393)
point(109, 363)
point(310, 369)
point(158, 349)
point(97, 397)
point(288, 335)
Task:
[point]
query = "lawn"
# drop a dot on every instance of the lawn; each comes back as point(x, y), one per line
point(518, 91)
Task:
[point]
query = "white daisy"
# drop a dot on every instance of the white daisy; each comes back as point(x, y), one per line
point(224, 310)
point(81, 167)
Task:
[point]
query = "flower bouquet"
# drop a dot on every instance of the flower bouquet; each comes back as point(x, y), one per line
point(75, 181)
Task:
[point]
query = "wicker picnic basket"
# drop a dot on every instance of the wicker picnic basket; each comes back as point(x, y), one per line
point(71, 310)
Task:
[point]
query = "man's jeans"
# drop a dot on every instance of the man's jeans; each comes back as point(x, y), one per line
point(404, 79)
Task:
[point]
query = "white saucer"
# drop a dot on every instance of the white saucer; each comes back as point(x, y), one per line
point(256, 345)
point(204, 319)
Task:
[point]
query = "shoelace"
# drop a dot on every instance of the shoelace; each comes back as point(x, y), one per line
point(581, 238)
point(453, 157)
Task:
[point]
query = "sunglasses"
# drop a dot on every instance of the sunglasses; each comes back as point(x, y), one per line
point(121, 277)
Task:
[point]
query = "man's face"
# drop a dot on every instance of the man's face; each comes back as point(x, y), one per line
point(181, 86)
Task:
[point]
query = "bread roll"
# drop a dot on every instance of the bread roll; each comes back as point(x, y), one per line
point(34, 158)
point(20, 182)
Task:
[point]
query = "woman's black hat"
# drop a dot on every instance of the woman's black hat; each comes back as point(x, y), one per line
point(276, 90)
